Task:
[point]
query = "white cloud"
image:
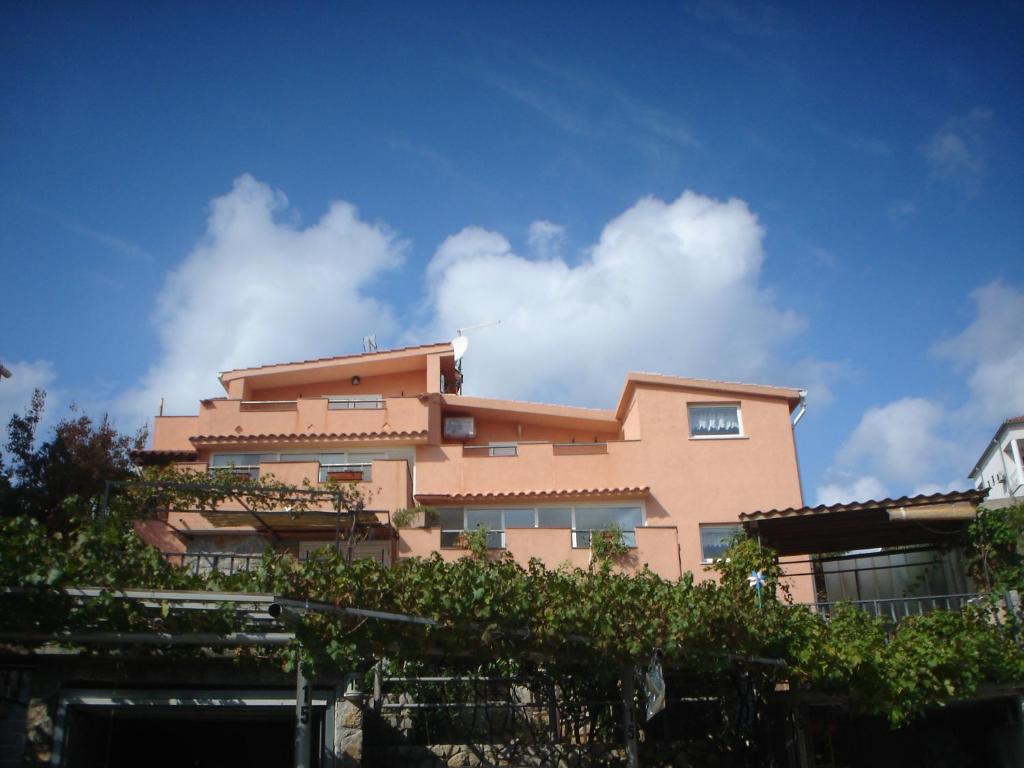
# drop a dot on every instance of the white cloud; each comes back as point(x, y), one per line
point(545, 238)
point(956, 152)
point(852, 489)
point(258, 289)
point(900, 442)
point(991, 351)
point(916, 445)
point(670, 287)
point(896, 449)
point(16, 392)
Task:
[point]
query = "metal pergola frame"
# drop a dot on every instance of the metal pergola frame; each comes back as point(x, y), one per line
point(239, 492)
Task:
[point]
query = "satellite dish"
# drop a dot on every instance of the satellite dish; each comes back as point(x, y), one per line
point(460, 344)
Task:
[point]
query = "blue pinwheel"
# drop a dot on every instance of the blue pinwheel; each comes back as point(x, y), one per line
point(757, 581)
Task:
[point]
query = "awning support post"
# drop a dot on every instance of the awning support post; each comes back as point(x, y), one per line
point(303, 717)
point(629, 727)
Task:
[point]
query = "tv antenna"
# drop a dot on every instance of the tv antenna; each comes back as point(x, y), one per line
point(370, 343)
point(461, 342)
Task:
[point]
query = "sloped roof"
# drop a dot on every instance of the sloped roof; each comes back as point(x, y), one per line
point(332, 358)
point(792, 396)
point(861, 524)
point(1012, 421)
point(363, 363)
point(853, 506)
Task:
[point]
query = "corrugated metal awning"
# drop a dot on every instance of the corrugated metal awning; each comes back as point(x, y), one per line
point(924, 519)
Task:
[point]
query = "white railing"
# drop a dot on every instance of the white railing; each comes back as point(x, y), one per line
point(897, 608)
point(207, 562)
point(356, 403)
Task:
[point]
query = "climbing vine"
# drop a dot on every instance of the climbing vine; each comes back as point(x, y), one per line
point(490, 608)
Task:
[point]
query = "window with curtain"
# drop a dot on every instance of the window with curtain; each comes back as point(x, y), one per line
point(716, 539)
point(714, 420)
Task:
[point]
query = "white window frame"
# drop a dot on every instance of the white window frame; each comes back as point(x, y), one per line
point(739, 421)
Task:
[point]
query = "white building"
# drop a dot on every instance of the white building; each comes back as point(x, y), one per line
point(1000, 468)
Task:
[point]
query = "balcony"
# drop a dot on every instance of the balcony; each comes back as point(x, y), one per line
point(656, 547)
point(456, 469)
point(226, 421)
point(896, 609)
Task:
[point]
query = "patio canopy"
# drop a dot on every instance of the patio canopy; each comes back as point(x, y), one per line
point(935, 519)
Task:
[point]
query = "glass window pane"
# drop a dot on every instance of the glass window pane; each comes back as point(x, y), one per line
point(364, 457)
point(451, 518)
point(554, 517)
point(300, 457)
point(450, 538)
point(483, 518)
point(581, 539)
point(597, 518)
point(710, 420)
point(715, 540)
point(235, 459)
point(495, 539)
point(519, 518)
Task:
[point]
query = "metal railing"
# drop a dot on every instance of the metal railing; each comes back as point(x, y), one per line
point(490, 450)
point(356, 403)
point(898, 608)
point(207, 562)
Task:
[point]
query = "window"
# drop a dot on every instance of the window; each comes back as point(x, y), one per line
point(716, 539)
point(492, 521)
point(349, 466)
point(554, 517)
point(715, 421)
point(453, 525)
point(345, 467)
point(581, 521)
point(586, 520)
point(241, 464)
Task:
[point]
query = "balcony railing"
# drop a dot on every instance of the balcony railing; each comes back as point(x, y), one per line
point(356, 403)
point(898, 608)
point(209, 562)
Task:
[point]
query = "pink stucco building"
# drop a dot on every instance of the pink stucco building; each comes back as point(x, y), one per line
point(673, 463)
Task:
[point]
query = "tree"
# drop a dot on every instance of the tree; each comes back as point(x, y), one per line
point(67, 473)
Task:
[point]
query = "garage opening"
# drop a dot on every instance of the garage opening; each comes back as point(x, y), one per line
point(185, 737)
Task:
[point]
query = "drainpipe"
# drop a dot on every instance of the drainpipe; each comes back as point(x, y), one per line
point(1015, 448)
point(1002, 458)
point(801, 410)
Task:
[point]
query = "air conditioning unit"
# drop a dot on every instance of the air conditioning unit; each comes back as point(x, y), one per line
point(459, 427)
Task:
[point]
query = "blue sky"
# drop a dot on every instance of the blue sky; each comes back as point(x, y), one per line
point(807, 195)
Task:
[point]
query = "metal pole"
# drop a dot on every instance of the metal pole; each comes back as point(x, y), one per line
point(303, 716)
point(629, 730)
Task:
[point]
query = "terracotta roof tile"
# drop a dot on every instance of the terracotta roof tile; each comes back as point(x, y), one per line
point(631, 492)
point(150, 456)
point(314, 437)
